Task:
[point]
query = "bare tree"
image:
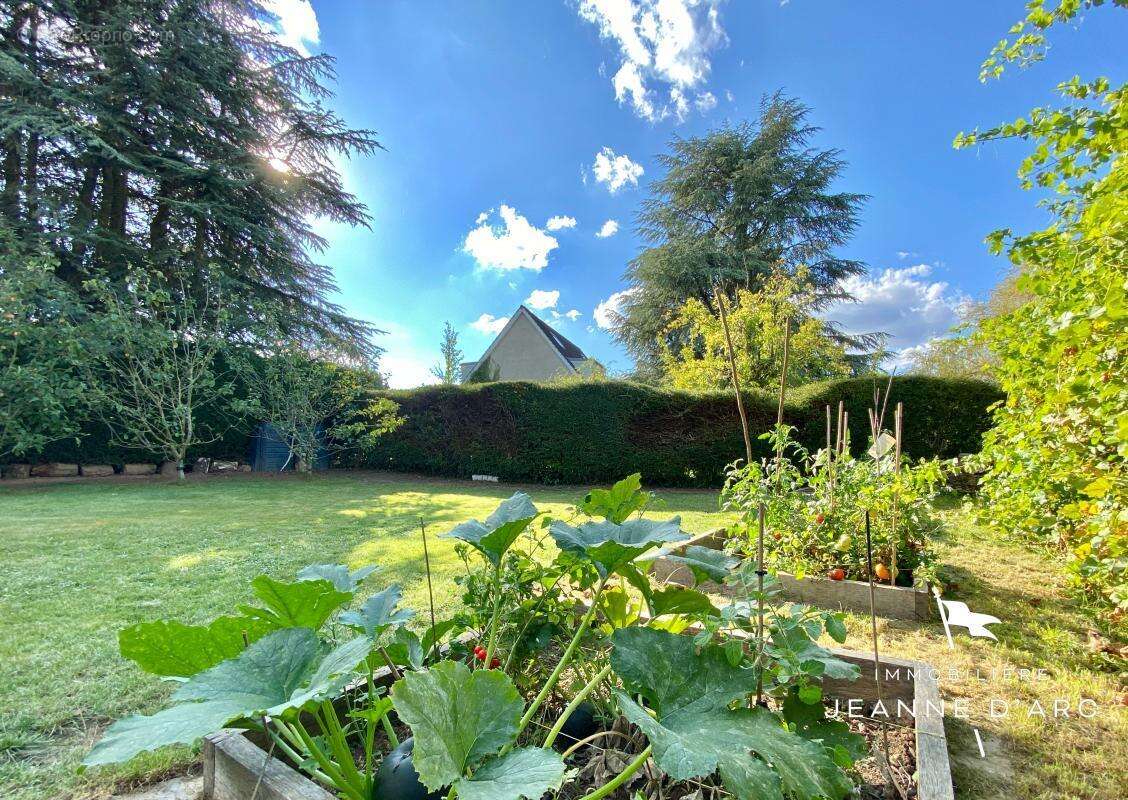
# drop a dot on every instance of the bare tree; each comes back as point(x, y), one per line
point(155, 366)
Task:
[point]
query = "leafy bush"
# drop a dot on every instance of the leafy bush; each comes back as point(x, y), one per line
point(596, 431)
point(815, 506)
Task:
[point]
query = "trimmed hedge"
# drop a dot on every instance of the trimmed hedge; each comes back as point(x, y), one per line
point(597, 432)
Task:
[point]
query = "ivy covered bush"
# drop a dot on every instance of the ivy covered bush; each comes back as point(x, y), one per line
point(537, 432)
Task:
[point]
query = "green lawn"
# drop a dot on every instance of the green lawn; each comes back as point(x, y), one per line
point(83, 559)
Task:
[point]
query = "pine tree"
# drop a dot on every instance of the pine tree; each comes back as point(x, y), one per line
point(172, 136)
point(732, 208)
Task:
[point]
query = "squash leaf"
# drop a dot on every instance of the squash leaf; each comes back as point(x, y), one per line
point(610, 545)
point(695, 733)
point(527, 772)
point(705, 563)
point(619, 502)
point(282, 671)
point(378, 613)
point(173, 649)
point(300, 604)
point(457, 717)
point(337, 574)
point(501, 528)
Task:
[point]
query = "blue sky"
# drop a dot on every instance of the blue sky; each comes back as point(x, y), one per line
point(499, 117)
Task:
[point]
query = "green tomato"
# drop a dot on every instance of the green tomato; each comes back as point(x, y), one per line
point(843, 543)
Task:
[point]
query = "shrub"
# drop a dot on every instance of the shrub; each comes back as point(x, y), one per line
point(594, 431)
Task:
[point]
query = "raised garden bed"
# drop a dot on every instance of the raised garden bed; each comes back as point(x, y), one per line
point(235, 764)
point(894, 602)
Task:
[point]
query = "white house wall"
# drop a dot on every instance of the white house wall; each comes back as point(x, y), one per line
point(525, 354)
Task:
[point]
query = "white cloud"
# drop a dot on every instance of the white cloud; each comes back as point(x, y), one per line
point(515, 244)
point(488, 323)
point(574, 314)
point(903, 254)
point(705, 101)
point(556, 223)
point(614, 170)
point(901, 302)
point(541, 299)
point(607, 312)
point(569, 316)
point(610, 228)
point(664, 44)
point(296, 24)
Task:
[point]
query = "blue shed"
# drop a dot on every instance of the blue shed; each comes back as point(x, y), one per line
point(271, 453)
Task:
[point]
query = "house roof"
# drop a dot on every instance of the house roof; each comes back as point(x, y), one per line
point(567, 348)
point(570, 353)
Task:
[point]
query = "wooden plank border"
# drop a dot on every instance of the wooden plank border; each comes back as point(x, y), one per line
point(893, 602)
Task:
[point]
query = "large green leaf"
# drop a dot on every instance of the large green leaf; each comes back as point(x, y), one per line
point(610, 545)
point(337, 574)
point(378, 613)
point(705, 563)
point(501, 528)
point(811, 722)
point(284, 670)
point(182, 724)
point(457, 717)
point(171, 648)
point(619, 502)
point(527, 772)
point(695, 733)
point(679, 600)
point(796, 642)
point(300, 604)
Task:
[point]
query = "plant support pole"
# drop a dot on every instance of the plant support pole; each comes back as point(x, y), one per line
point(735, 376)
point(877, 656)
point(430, 591)
point(760, 610)
point(898, 417)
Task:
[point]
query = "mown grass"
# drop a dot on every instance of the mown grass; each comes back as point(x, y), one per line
point(84, 559)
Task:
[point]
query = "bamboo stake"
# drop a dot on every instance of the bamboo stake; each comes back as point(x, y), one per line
point(782, 393)
point(430, 592)
point(898, 426)
point(735, 378)
point(877, 656)
point(760, 603)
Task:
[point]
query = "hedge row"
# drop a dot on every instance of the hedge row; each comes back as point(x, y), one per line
point(592, 433)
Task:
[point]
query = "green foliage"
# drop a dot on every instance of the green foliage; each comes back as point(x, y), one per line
point(282, 672)
point(619, 502)
point(303, 603)
point(694, 730)
point(1057, 457)
point(528, 432)
point(378, 613)
point(315, 406)
point(815, 506)
point(41, 392)
point(610, 546)
point(154, 364)
point(173, 649)
point(198, 138)
point(461, 721)
point(756, 319)
point(732, 208)
point(501, 528)
point(448, 370)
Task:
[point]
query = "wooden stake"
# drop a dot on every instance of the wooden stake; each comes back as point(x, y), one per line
point(877, 657)
point(430, 592)
point(898, 426)
point(760, 624)
point(735, 378)
point(782, 394)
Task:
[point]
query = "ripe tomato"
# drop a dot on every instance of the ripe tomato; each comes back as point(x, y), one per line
point(837, 574)
point(882, 572)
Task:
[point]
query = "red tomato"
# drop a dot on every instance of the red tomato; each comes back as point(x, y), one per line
point(495, 663)
point(819, 519)
point(837, 574)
